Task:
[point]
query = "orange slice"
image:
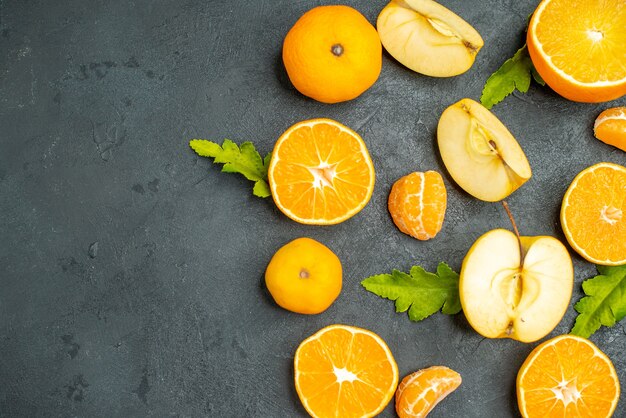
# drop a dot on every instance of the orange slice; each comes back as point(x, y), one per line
point(421, 391)
point(579, 48)
point(321, 172)
point(593, 214)
point(610, 127)
point(567, 376)
point(344, 371)
point(417, 204)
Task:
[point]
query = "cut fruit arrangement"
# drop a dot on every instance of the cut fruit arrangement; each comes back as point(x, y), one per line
point(320, 173)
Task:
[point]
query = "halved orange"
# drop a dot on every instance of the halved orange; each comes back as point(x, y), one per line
point(567, 376)
point(320, 172)
point(579, 47)
point(344, 371)
point(593, 214)
point(421, 391)
point(610, 127)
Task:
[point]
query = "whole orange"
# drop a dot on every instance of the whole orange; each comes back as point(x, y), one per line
point(332, 54)
point(304, 276)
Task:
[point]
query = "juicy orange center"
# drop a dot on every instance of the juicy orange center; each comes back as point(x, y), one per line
point(584, 41)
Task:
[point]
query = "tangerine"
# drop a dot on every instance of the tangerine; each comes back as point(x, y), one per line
point(332, 54)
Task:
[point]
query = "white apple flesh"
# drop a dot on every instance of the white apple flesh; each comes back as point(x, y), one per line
point(480, 153)
point(428, 38)
point(506, 293)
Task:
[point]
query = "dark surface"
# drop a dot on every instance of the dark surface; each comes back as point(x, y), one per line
point(131, 269)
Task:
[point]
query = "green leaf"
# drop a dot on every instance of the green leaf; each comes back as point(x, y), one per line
point(513, 74)
point(538, 79)
point(261, 189)
point(205, 148)
point(605, 303)
point(420, 293)
point(243, 159)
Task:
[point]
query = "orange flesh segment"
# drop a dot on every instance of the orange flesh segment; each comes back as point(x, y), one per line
point(322, 173)
point(610, 127)
point(585, 41)
point(417, 203)
point(345, 372)
point(420, 392)
point(594, 214)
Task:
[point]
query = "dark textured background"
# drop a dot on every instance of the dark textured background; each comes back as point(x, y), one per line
point(131, 270)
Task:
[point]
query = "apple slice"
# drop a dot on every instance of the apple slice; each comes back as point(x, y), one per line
point(428, 38)
point(517, 289)
point(480, 153)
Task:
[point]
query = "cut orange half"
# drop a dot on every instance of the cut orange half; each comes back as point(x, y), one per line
point(567, 377)
point(579, 48)
point(593, 214)
point(320, 172)
point(344, 371)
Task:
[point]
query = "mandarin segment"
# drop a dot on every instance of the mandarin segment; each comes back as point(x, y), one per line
point(344, 371)
point(593, 214)
point(610, 127)
point(320, 172)
point(417, 204)
point(421, 391)
point(576, 49)
point(567, 376)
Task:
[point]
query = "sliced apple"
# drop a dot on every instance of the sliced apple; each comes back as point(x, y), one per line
point(515, 289)
point(428, 38)
point(480, 153)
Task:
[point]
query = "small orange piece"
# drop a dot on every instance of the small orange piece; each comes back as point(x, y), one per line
point(610, 127)
point(567, 377)
point(417, 204)
point(332, 54)
point(578, 48)
point(344, 371)
point(304, 276)
point(593, 214)
point(321, 172)
point(421, 391)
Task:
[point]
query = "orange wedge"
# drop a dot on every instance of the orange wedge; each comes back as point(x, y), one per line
point(344, 371)
point(321, 172)
point(567, 377)
point(610, 127)
point(417, 204)
point(593, 214)
point(579, 48)
point(421, 391)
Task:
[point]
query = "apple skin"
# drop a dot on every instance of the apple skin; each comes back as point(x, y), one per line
point(503, 299)
point(428, 38)
point(479, 152)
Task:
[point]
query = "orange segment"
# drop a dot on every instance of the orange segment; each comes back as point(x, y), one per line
point(417, 204)
point(579, 48)
point(610, 127)
point(421, 391)
point(321, 172)
point(344, 371)
point(593, 214)
point(567, 376)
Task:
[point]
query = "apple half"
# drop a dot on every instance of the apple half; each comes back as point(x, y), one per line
point(480, 153)
point(428, 38)
point(517, 289)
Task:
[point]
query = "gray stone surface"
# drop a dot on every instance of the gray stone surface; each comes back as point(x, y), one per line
point(131, 270)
